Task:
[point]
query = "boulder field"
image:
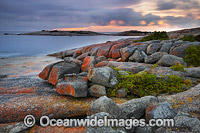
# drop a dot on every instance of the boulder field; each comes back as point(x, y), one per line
point(77, 85)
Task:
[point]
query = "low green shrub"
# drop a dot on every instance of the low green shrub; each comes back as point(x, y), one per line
point(191, 38)
point(188, 38)
point(197, 38)
point(145, 83)
point(178, 67)
point(157, 35)
point(192, 56)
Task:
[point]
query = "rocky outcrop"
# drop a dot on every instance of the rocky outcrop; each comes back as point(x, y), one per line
point(159, 111)
point(88, 61)
point(54, 72)
point(97, 90)
point(70, 87)
point(179, 49)
point(170, 60)
point(73, 85)
point(14, 127)
point(104, 104)
point(154, 47)
point(137, 56)
point(136, 108)
point(154, 57)
point(105, 76)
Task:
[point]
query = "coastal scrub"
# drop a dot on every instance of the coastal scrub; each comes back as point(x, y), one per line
point(144, 83)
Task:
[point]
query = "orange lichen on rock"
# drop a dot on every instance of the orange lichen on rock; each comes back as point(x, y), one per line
point(87, 62)
point(45, 72)
point(16, 90)
point(53, 77)
point(70, 90)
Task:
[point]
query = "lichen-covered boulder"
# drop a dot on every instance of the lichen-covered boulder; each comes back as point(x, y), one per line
point(170, 60)
point(73, 85)
point(104, 104)
point(154, 47)
point(154, 57)
point(159, 111)
point(179, 48)
point(97, 90)
point(58, 70)
point(121, 92)
point(127, 52)
point(166, 47)
point(136, 107)
point(104, 76)
point(72, 60)
point(137, 56)
point(88, 61)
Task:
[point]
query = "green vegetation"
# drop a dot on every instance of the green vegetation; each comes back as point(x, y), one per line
point(178, 67)
point(191, 38)
point(145, 83)
point(197, 38)
point(155, 36)
point(192, 56)
point(188, 38)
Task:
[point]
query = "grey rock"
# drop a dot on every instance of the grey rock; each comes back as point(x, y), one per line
point(170, 60)
point(190, 98)
point(183, 121)
point(166, 41)
point(75, 86)
point(155, 41)
point(94, 51)
point(154, 47)
point(136, 56)
point(72, 60)
point(97, 90)
point(139, 69)
point(192, 72)
point(136, 107)
point(144, 54)
point(180, 48)
point(121, 72)
point(104, 104)
point(154, 57)
point(104, 76)
point(88, 62)
point(67, 53)
point(165, 71)
point(159, 111)
point(127, 66)
point(121, 92)
point(146, 129)
point(142, 47)
point(128, 52)
point(102, 129)
point(166, 47)
point(100, 58)
point(61, 68)
point(76, 54)
point(82, 56)
point(13, 127)
point(83, 74)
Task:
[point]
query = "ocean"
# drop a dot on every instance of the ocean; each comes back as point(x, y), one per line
point(29, 45)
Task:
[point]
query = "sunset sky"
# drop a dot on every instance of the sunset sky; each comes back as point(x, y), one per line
point(99, 15)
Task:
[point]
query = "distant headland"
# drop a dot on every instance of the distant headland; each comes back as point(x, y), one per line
point(172, 34)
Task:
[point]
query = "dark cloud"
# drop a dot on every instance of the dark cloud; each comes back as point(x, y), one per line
point(178, 4)
point(183, 22)
point(165, 6)
point(45, 14)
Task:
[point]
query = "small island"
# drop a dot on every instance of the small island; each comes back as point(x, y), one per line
point(82, 33)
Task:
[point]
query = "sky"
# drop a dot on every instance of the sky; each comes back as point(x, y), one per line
point(99, 15)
